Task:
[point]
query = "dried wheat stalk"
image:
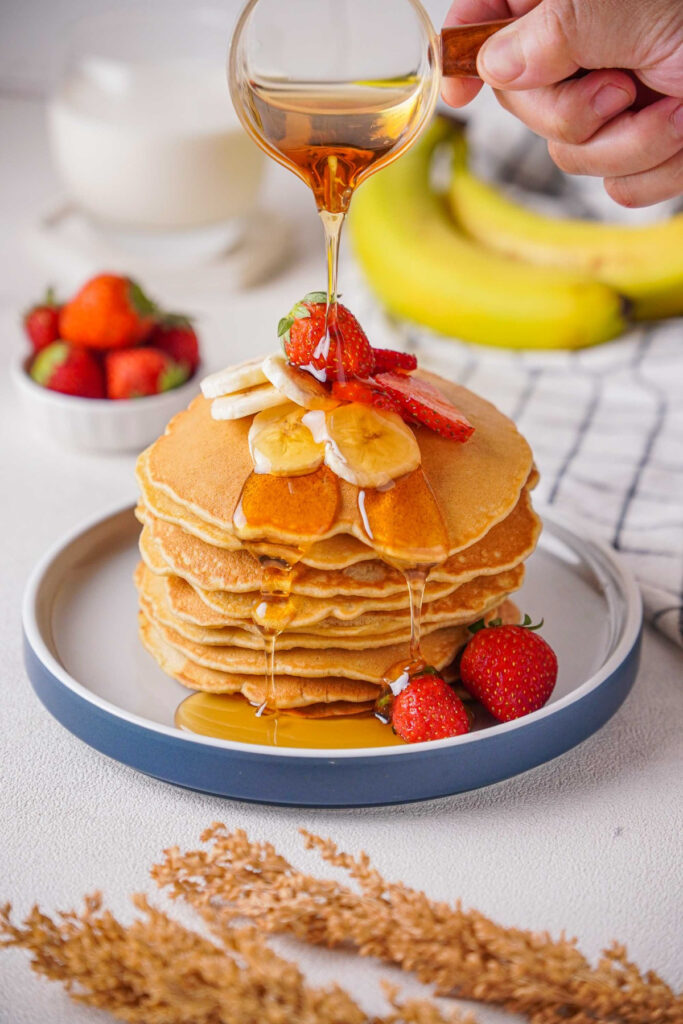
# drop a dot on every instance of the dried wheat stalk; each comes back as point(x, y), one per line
point(155, 971)
point(460, 952)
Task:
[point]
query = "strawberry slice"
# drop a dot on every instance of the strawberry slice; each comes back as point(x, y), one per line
point(352, 391)
point(424, 403)
point(387, 359)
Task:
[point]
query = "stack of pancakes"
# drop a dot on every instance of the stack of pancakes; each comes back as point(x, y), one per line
point(351, 616)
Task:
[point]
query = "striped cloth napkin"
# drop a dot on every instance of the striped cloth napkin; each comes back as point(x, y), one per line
point(605, 424)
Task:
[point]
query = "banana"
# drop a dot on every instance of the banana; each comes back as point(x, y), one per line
point(280, 444)
point(234, 378)
point(368, 447)
point(297, 385)
point(425, 269)
point(644, 263)
point(246, 403)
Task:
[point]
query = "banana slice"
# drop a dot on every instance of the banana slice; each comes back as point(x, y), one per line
point(366, 446)
point(281, 444)
point(297, 385)
point(245, 403)
point(234, 378)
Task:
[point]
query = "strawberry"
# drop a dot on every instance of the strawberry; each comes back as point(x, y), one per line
point(136, 372)
point(41, 322)
point(175, 335)
point(68, 369)
point(428, 709)
point(386, 359)
point(345, 353)
point(423, 403)
point(510, 669)
point(108, 312)
point(352, 391)
point(380, 400)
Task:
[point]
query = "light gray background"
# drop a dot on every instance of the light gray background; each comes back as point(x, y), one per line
point(590, 843)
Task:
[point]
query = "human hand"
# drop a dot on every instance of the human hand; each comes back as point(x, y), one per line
point(630, 50)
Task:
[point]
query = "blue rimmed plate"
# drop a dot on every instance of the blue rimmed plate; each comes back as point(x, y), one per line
point(88, 668)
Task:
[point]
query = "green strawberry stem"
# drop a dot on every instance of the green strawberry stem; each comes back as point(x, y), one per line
point(475, 627)
point(141, 303)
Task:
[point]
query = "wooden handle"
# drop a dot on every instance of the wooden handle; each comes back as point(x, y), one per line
point(460, 45)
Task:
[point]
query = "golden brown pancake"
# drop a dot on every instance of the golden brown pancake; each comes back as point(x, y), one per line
point(202, 464)
point(318, 697)
point(469, 602)
point(212, 568)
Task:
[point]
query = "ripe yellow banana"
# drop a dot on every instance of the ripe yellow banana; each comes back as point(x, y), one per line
point(643, 263)
point(368, 447)
point(424, 268)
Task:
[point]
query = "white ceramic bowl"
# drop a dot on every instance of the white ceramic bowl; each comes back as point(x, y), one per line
point(99, 424)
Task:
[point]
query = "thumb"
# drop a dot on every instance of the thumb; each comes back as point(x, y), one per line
point(544, 46)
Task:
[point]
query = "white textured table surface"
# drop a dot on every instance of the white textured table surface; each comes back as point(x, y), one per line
point(590, 843)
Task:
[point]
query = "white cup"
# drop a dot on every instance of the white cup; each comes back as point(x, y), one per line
point(142, 128)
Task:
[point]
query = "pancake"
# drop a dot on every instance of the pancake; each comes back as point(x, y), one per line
point(463, 604)
point(203, 464)
point(239, 603)
point(332, 553)
point(439, 649)
point(212, 568)
point(316, 698)
point(475, 599)
point(291, 691)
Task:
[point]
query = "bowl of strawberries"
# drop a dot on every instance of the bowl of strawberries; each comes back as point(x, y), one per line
point(108, 368)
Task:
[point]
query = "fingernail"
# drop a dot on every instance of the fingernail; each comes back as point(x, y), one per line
point(610, 100)
point(503, 58)
point(677, 120)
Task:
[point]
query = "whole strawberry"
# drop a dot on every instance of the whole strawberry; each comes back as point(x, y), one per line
point(175, 335)
point(68, 369)
point(41, 322)
point(510, 669)
point(428, 709)
point(137, 372)
point(345, 353)
point(109, 311)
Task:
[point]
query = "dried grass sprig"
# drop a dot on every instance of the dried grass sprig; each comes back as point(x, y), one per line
point(155, 971)
point(460, 952)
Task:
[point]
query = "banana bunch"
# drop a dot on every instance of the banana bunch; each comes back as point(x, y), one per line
point(483, 275)
point(643, 263)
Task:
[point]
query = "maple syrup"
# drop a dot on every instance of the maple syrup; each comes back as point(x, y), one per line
point(230, 717)
point(333, 135)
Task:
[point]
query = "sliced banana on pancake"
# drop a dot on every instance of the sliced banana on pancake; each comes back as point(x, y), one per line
point(368, 447)
point(281, 444)
point(246, 403)
point(298, 385)
point(234, 378)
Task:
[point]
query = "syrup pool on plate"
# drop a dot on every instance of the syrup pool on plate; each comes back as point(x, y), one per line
point(233, 718)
